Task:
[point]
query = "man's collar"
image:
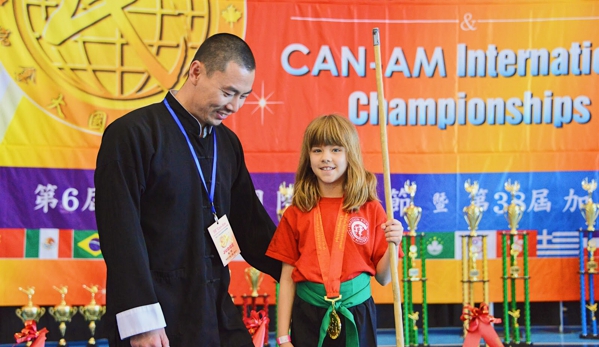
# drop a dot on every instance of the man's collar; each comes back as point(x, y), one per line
point(203, 130)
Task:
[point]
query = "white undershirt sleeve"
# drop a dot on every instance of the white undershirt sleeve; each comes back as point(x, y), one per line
point(139, 320)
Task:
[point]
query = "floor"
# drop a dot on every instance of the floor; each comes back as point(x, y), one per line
point(451, 337)
point(446, 337)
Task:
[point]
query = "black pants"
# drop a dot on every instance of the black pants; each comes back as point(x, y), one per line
point(306, 320)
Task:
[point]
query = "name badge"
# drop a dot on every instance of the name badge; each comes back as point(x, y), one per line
point(224, 240)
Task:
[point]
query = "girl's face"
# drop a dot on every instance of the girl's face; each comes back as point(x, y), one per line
point(329, 164)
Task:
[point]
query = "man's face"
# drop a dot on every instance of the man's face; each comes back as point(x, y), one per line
point(220, 95)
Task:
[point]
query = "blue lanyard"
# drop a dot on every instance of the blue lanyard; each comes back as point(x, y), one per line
point(195, 158)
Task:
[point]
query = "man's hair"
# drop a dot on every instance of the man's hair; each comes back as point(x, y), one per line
point(220, 49)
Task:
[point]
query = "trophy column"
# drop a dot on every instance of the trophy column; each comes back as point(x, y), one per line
point(470, 253)
point(413, 247)
point(511, 239)
point(589, 211)
point(62, 313)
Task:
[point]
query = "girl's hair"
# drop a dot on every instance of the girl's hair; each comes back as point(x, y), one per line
point(360, 184)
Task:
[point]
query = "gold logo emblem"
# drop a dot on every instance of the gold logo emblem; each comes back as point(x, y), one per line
point(88, 62)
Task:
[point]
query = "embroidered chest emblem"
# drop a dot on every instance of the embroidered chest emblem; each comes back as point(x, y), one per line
point(358, 230)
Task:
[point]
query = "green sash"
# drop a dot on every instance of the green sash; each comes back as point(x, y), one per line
point(353, 292)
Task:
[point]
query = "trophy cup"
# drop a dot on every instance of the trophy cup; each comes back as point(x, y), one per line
point(589, 210)
point(254, 278)
point(513, 211)
point(62, 313)
point(92, 312)
point(591, 264)
point(411, 214)
point(413, 272)
point(285, 195)
point(31, 311)
point(473, 213)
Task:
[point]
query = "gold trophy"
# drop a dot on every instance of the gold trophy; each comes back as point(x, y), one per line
point(515, 249)
point(591, 264)
point(474, 273)
point(254, 278)
point(413, 272)
point(92, 312)
point(411, 214)
point(31, 311)
point(473, 213)
point(589, 210)
point(515, 315)
point(593, 309)
point(514, 212)
point(62, 313)
point(285, 194)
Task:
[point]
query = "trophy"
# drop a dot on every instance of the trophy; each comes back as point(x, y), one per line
point(411, 214)
point(414, 317)
point(413, 272)
point(473, 213)
point(515, 315)
point(285, 195)
point(514, 211)
point(591, 264)
point(515, 249)
point(254, 278)
point(62, 313)
point(474, 273)
point(31, 311)
point(92, 312)
point(589, 210)
point(593, 309)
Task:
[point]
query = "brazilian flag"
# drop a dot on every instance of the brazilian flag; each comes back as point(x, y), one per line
point(87, 244)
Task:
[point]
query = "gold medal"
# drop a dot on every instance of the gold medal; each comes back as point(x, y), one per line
point(334, 328)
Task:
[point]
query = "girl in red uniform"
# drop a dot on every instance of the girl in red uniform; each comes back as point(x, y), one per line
point(331, 240)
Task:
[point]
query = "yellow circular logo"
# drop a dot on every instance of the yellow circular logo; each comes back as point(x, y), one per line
point(88, 62)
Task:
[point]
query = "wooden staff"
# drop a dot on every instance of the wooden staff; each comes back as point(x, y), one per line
point(399, 337)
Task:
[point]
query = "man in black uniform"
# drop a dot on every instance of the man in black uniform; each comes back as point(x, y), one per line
point(164, 173)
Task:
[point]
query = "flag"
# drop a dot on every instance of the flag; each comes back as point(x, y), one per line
point(87, 244)
point(12, 243)
point(49, 243)
point(439, 245)
point(554, 244)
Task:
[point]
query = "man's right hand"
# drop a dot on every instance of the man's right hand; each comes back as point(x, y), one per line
point(152, 338)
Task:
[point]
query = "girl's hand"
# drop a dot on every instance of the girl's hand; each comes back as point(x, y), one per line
point(393, 231)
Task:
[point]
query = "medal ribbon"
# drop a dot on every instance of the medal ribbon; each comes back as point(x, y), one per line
point(330, 262)
point(197, 162)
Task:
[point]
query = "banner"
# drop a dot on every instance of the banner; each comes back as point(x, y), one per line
point(491, 92)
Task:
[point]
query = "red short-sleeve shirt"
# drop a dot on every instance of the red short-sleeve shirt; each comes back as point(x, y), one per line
point(294, 241)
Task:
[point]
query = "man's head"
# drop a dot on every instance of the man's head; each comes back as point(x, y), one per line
point(220, 79)
point(220, 49)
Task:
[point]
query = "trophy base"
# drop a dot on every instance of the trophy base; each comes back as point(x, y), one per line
point(519, 344)
point(589, 336)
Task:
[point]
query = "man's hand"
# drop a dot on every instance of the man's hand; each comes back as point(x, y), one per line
point(152, 338)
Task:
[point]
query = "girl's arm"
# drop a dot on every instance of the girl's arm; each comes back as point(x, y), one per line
point(393, 233)
point(285, 302)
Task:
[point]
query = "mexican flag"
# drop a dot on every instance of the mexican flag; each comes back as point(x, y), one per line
point(48, 243)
